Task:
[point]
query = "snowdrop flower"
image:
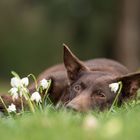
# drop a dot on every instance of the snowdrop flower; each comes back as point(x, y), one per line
point(18, 83)
point(90, 122)
point(114, 87)
point(44, 83)
point(36, 97)
point(24, 91)
point(14, 93)
point(12, 108)
point(19, 87)
point(25, 81)
point(15, 82)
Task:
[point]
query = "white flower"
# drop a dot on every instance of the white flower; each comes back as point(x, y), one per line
point(114, 87)
point(13, 90)
point(24, 91)
point(12, 108)
point(15, 82)
point(44, 83)
point(14, 93)
point(25, 81)
point(19, 86)
point(90, 122)
point(36, 97)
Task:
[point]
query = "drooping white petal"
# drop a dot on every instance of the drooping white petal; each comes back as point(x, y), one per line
point(14, 93)
point(15, 82)
point(114, 87)
point(13, 90)
point(36, 97)
point(15, 96)
point(25, 81)
point(23, 90)
point(44, 83)
point(11, 108)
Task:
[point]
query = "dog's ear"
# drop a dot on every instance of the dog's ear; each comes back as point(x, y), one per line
point(131, 83)
point(73, 65)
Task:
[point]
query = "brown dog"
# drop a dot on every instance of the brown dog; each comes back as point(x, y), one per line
point(83, 86)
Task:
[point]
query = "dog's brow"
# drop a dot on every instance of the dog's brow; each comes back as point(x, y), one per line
point(104, 78)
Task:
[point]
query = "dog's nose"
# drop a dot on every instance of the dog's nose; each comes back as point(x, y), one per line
point(71, 107)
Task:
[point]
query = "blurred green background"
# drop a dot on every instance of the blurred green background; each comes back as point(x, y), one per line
point(32, 32)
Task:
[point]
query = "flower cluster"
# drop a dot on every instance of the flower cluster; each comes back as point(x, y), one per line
point(19, 91)
point(19, 86)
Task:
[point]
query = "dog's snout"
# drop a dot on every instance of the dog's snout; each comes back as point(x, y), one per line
point(71, 107)
point(81, 103)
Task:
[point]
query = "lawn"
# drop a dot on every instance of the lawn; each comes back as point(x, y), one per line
point(121, 124)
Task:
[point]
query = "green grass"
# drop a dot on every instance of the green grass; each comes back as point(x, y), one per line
point(122, 124)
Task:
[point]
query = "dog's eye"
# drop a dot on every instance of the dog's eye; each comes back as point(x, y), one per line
point(77, 88)
point(100, 94)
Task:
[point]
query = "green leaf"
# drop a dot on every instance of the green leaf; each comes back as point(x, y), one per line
point(15, 74)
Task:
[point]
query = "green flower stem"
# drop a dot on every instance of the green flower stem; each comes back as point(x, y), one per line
point(40, 106)
point(15, 74)
point(49, 100)
point(5, 106)
point(31, 106)
point(116, 98)
point(22, 106)
point(31, 75)
point(46, 92)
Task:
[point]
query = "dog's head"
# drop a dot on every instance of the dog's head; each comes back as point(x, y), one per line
point(90, 89)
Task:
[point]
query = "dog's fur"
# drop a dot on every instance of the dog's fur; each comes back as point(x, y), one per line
point(83, 86)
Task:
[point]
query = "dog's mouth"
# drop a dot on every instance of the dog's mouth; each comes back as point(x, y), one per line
point(61, 104)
